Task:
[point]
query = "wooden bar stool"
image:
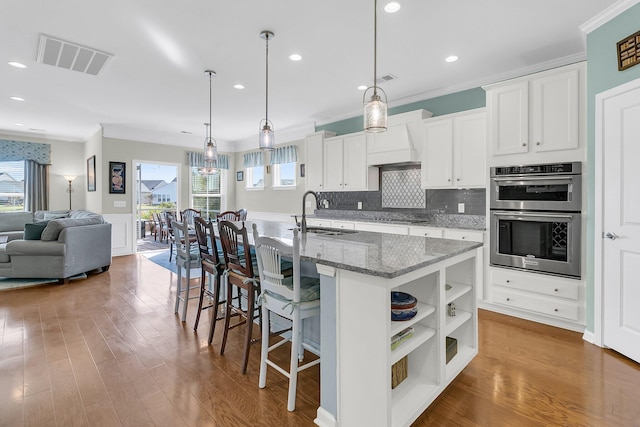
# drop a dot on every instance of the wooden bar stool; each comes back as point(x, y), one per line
point(239, 272)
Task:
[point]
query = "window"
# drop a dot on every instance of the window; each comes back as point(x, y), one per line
point(12, 186)
point(255, 177)
point(284, 175)
point(206, 195)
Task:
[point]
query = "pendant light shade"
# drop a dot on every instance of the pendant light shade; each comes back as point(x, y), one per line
point(266, 136)
point(375, 110)
point(210, 145)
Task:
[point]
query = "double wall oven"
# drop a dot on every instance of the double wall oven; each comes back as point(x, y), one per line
point(535, 218)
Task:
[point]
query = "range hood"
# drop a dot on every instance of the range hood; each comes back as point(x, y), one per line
point(401, 143)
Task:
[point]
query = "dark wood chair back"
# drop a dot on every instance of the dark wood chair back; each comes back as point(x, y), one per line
point(236, 249)
point(207, 241)
point(228, 216)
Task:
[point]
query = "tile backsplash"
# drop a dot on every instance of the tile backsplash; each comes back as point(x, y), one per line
point(407, 198)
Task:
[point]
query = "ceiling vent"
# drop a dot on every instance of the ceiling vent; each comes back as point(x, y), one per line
point(385, 78)
point(71, 56)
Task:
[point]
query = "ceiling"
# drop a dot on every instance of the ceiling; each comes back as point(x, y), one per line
point(154, 88)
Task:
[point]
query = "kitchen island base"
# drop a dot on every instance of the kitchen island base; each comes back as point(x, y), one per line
point(356, 384)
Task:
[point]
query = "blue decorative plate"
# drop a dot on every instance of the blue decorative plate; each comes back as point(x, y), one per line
point(405, 314)
point(400, 300)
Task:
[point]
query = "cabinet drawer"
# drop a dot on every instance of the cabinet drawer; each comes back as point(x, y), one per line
point(382, 228)
point(474, 236)
point(539, 304)
point(346, 225)
point(315, 222)
point(538, 283)
point(426, 232)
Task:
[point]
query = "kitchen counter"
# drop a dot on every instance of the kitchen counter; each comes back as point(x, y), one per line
point(374, 254)
point(464, 222)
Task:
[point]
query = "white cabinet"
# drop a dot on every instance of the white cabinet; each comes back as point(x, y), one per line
point(314, 164)
point(454, 151)
point(345, 164)
point(432, 232)
point(344, 225)
point(540, 113)
point(318, 222)
point(540, 296)
point(382, 228)
point(470, 235)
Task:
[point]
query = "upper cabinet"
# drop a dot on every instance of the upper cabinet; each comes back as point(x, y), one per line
point(345, 164)
point(538, 118)
point(454, 151)
point(314, 163)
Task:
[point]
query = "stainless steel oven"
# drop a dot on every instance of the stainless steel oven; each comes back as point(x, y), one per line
point(535, 219)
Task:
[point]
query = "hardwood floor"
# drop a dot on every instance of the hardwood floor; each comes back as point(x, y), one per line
point(109, 351)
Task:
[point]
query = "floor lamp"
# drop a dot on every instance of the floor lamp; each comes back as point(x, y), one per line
point(69, 188)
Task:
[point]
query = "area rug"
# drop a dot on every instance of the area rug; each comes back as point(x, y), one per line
point(8, 283)
point(162, 259)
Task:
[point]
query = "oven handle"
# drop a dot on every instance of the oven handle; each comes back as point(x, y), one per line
point(531, 215)
point(534, 178)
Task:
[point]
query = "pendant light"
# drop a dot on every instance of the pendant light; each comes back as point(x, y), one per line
point(210, 145)
point(266, 136)
point(375, 111)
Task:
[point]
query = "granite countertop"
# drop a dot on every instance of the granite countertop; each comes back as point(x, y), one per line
point(465, 222)
point(374, 254)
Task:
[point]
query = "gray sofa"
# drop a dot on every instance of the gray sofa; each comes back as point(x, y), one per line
point(70, 243)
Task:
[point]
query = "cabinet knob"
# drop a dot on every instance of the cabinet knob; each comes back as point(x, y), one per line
point(555, 309)
point(524, 144)
point(463, 237)
point(538, 143)
point(458, 179)
point(345, 184)
point(555, 290)
point(449, 180)
point(508, 299)
point(508, 281)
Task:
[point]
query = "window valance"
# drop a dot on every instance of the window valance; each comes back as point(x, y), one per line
point(196, 159)
point(254, 159)
point(288, 154)
point(19, 150)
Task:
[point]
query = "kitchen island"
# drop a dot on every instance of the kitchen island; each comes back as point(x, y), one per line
point(358, 271)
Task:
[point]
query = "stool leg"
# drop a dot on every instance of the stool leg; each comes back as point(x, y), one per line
point(178, 289)
point(202, 281)
point(227, 318)
point(247, 341)
point(293, 366)
point(216, 299)
point(185, 303)
point(264, 351)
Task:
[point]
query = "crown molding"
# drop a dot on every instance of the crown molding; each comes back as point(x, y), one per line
point(607, 15)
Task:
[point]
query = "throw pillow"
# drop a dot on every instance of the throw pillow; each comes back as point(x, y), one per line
point(49, 216)
point(33, 230)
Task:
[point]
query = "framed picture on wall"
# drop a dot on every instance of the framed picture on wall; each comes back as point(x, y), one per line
point(117, 177)
point(91, 173)
point(239, 176)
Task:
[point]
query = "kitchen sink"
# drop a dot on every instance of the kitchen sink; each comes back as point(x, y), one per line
point(323, 231)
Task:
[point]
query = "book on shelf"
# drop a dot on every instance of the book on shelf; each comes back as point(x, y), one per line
point(401, 337)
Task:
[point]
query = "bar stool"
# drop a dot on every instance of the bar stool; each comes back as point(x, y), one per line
point(239, 272)
point(212, 266)
point(295, 298)
point(187, 257)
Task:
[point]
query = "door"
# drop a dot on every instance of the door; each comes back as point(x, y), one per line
point(470, 150)
point(621, 223)
point(332, 173)
point(355, 163)
point(555, 112)
point(508, 108)
point(437, 154)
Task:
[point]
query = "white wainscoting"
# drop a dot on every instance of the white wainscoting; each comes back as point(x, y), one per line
point(122, 234)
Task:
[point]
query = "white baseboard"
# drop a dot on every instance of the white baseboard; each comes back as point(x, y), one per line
point(589, 337)
point(325, 419)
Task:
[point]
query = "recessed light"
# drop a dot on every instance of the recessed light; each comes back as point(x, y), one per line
point(238, 86)
point(392, 7)
point(362, 87)
point(186, 132)
point(295, 57)
point(17, 98)
point(19, 124)
point(17, 64)
point(451, 58)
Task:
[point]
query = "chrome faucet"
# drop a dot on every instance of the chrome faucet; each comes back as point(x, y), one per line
point(303, 223)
